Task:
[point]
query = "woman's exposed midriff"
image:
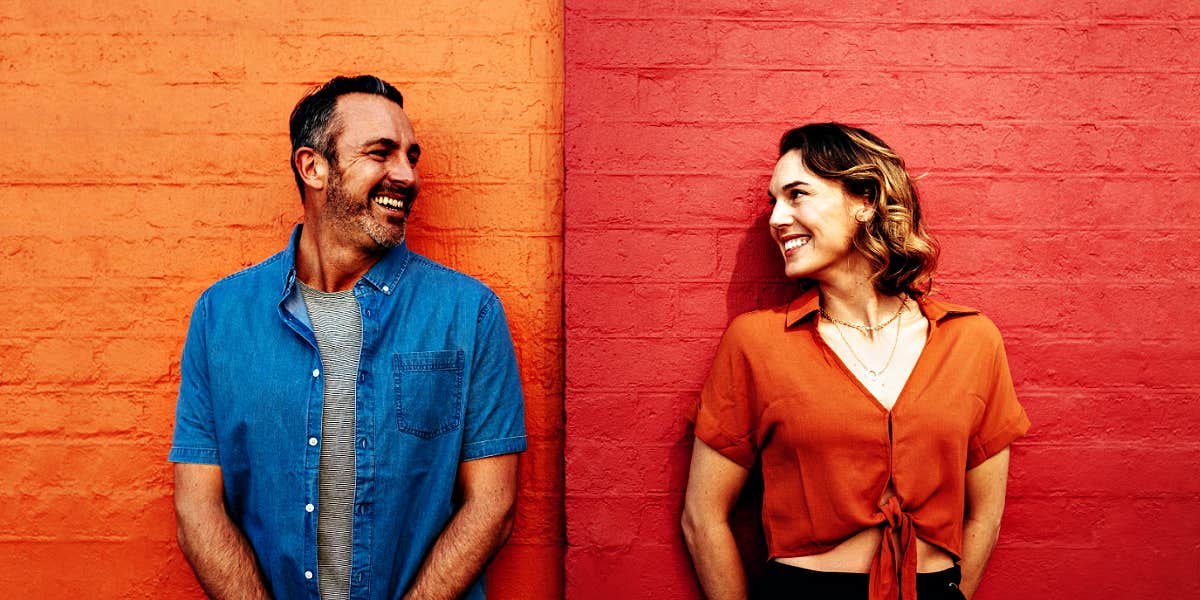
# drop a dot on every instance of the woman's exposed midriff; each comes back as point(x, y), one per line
point(856, 553)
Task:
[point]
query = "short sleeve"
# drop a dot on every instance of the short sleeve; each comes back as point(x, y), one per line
point(495, 414)
point(1003, 420)
point(723, 416)
point(195, 439)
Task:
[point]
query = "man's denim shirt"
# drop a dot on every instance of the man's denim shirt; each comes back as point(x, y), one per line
point(437, 384)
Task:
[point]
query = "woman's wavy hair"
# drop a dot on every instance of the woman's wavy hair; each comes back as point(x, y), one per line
point(902, 254)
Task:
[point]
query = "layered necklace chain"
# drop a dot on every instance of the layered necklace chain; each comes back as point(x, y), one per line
point(863, 327)
point(872, 374)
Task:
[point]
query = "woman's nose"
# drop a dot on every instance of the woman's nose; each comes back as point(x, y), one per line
point(781, 215)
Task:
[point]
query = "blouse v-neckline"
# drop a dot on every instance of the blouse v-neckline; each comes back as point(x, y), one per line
point(837, 359)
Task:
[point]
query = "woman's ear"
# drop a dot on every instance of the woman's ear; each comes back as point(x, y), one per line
point(864, 214)
point(864, 206)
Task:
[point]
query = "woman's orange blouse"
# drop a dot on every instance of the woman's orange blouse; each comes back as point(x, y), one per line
point(779, 394)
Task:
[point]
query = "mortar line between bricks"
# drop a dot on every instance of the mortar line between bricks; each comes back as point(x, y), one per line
point(695, 390)
point(602, 226)
point(1023, 334)
point(597, 495)
point(868, 23)
point(952, 122)
point(738, 175)
point(1136, 496)
point(269, 182)
point(721, 67)
point(940, 173)
point(1183, 389)
point(585, 280)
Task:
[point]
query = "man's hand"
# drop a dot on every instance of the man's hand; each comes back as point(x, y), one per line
point(478, 529)
point(212, 544)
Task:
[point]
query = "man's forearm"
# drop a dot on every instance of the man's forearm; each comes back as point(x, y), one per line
point(979, 539)
point(473, 536)
point(221, 557)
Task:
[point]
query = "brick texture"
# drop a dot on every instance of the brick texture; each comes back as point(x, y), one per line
point(1056, 139)
point(147, 157)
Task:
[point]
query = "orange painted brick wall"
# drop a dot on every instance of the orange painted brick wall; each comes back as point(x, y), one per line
point(145, 155)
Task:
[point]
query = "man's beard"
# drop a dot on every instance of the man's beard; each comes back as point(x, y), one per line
point(353, 214)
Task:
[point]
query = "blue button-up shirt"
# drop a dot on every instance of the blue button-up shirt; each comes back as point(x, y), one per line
point(437, 384)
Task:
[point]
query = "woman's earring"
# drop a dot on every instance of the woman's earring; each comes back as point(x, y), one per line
point(863, 216)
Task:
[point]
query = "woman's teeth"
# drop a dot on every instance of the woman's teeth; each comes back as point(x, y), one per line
point(794, 243)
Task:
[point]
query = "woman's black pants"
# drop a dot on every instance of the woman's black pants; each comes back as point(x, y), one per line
point(785, 582)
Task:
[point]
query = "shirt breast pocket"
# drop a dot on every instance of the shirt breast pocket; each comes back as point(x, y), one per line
point(428, 391)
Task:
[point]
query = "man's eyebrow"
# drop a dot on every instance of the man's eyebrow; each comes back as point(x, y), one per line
point(388, 143)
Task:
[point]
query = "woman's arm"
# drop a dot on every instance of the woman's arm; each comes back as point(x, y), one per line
point(986, 484)
point(714, 483)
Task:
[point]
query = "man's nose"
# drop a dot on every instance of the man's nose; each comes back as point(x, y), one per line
point(401, 171)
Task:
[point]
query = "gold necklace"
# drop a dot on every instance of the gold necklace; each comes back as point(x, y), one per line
point(872, 374)
point(866, 329)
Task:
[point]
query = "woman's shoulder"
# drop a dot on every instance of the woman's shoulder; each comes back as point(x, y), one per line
point(961, 318)
point(759, 322)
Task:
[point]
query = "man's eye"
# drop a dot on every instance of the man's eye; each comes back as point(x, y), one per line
point(378, 153)
point(413, 158)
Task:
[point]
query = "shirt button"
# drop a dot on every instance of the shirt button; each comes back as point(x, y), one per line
point(308, 574)
point(308, 508)
point(316, 372)
point(312, 441)
point(386, 289)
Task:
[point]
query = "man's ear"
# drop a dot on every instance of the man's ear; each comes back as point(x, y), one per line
point(312, 166)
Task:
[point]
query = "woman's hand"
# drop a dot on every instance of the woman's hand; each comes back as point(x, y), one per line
point(714, 483)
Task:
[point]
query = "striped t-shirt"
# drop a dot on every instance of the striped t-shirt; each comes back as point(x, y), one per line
point(338, 327)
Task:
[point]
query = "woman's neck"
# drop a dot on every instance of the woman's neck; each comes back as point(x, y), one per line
point(856, 300)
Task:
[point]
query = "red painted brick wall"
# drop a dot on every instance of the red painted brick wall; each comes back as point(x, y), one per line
point(146, 156)
point(1059, 140)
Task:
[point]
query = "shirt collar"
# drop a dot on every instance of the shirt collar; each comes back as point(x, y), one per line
point(809, 303)
point(384, 275)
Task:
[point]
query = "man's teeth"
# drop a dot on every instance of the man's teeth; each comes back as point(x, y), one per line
point(795, 243)
point(389, 202)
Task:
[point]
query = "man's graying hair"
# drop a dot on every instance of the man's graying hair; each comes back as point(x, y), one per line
point(314, 123)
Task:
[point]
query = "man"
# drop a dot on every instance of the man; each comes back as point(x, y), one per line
point(349, 412)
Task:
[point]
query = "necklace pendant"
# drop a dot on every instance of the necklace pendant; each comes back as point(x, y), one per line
point(872, 375)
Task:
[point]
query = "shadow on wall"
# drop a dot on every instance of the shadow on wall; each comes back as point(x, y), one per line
point(757, 279)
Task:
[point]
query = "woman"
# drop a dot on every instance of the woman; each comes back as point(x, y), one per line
point(881, 417)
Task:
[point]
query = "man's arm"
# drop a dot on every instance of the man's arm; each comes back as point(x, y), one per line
point(713, 485)
point(986, 485)
point(478, 529)
point(218, 552)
